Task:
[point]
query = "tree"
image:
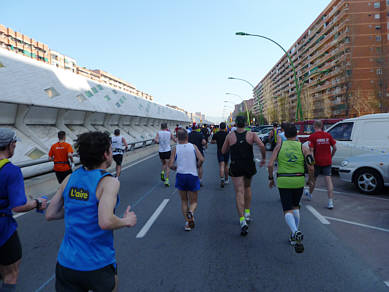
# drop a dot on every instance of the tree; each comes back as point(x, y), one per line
point(307, 104)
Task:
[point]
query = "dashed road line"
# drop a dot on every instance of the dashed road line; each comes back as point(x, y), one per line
point(152, 219)
point(387, 283)
point(317, 215)
point(357, 224)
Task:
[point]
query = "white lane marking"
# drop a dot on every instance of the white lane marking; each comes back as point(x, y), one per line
point(387, 283)
point(124, 168)
point(357, 224)
point(317, 214)
point(347, 193)
point(152, 219)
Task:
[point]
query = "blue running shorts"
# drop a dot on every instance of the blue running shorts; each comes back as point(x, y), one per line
point(187, 182)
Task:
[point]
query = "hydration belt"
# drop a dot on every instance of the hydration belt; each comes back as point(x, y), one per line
point(61, 162)
point(290, 174)
point(119, 150)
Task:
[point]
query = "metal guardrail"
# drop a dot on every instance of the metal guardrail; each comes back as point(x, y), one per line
point(30, 172)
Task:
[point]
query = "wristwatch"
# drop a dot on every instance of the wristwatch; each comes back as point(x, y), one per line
point(38, 204)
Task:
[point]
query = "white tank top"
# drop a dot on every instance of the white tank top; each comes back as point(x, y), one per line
point(186, 159)
point(164, 141)
point(117, 145)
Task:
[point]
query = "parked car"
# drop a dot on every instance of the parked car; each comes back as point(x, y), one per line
point(269, 146)
point(259, 128)
point(362, 135)
point(263, 132)
point(369, 173)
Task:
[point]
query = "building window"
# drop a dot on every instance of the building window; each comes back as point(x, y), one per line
point(107, 98)
point(378, 50)
point(94, 90)
point(376, 4)
point(88, 93)
point(378, 27)
point(114, 91)
point(118, 104)
point(387, 2)
point(51, 92)
point(99, 87)
point(377, 16)
point(378, 38)
point(379, 71)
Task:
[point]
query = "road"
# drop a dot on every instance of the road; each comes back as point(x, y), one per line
point(214, 257)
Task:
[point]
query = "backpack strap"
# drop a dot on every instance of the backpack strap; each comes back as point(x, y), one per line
point(3, 162)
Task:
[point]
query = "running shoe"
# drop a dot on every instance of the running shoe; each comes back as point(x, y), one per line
point(330, 204)
point(307, 194)
point(247, 217)
point(226, 181)
point(162, 176)
point(186, 227)
point(291, 240)
point(167, 183)
point(222, 183)
point(243, 228)
point(190, 219)
point(298, 238)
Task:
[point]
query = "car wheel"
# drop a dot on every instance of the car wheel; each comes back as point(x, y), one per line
point(368, 181)
point(268, 146)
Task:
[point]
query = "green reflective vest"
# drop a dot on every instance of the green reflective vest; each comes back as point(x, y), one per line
point(290, 173)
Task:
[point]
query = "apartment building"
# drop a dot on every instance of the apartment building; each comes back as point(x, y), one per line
point(342, 61)
point(22, 44)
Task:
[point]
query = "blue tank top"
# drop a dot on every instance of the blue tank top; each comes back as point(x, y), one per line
point(85, 246)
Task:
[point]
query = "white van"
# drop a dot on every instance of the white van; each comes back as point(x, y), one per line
point(362, 135)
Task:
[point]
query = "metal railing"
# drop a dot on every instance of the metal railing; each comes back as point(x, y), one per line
point(42, 166)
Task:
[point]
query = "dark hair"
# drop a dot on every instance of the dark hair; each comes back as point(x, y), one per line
point(240, 121)
point(61, 135)
point(116, 132)
point(318, 124)
point(164, 126)
point(290, 131)
point(222, 125)
point(275, 124)
point(284, 125)
point(182, 135)
point(91, 147)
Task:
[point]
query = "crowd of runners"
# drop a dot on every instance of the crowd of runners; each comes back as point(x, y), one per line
point(87, 196)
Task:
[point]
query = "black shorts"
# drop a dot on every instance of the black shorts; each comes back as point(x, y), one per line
point(101, 280)
point(165, 155)
point(61, 175)
point(11, 250)
point(324, 170)
point(290, 198)
point(242, 168)
point(118, 158)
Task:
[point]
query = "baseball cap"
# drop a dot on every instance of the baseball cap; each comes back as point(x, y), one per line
point(7, 136)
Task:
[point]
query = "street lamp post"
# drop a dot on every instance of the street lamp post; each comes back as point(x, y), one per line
point(259, 103)
point(245, 105)
point(299, 110)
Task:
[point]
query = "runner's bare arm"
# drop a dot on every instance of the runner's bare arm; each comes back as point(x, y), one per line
point(109, 188)
point(156, 139)
point(55, 210)
point(270, 166)
point(199, 156)
point(125, 143)
point(226, 145)
point(311, 169)
point(172, 160)
point(173, 138)
point(203, 142)
point(258, 141)
point(333, 150)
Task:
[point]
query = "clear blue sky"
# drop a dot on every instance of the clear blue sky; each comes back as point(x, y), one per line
point(180, 51)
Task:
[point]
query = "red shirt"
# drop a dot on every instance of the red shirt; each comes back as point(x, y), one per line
point(60, 152)
point(321, 143)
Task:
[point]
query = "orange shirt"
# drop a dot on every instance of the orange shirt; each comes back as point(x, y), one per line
point(60, 152)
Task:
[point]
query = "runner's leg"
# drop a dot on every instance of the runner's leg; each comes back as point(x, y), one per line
point(330, 187)
point(193, 197)
point(239, 193)
point(247, 198)
point(226, 171)
point(184, 202)
point(118, 170)
point(167, 170)
point(10, 273)
point(221, 169)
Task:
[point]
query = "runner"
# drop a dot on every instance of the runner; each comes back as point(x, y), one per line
point(291, 157)
point(273, 135)
point(219, 138)
point(118, 143)
point(163, 139)
point(320, 143)
point(87, 200)
point(205, 132)
point(197, 138)
point(61, 152)
point(242, 168)
point(12, 198)
point(188, 159)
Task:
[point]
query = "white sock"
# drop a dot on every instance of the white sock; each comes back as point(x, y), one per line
point(296, 215)
point(222, 178)
point(289, 218)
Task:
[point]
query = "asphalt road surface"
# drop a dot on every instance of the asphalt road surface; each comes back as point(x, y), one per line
point(158, 255)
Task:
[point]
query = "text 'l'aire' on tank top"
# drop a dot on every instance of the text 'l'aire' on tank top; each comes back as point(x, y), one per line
point(241, 150)
point(186, 159)
point(117, 145)
point(164, 141)
point(85, 246)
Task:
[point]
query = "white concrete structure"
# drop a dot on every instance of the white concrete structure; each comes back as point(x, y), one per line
point(37, 100)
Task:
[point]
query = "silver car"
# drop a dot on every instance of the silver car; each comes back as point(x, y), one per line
point(369, 173)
